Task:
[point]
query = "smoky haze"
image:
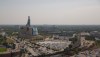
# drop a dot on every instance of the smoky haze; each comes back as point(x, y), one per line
point(67, 12)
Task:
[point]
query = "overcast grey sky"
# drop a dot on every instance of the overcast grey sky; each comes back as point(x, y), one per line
point(67, 12)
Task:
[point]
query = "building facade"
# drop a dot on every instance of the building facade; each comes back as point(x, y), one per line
point(28, 31)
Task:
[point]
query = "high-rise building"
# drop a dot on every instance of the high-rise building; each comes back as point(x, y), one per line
point(28, 22)
point(28, 31)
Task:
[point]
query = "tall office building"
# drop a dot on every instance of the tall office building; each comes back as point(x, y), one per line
point(28, 31)
point(28, 22)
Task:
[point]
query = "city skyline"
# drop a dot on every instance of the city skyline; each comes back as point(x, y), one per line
point(67, 12)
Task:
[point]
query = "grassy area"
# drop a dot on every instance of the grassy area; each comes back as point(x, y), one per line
point(3, 49)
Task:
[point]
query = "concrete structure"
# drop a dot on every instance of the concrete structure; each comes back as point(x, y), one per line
point(28, 31)
point(3, 33)
point(56, 44)
point(81, 41)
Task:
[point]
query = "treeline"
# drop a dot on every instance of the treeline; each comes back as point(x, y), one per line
point(54, 28)
point(78, 28)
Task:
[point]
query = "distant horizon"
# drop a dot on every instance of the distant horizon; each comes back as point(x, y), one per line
point(52, 24)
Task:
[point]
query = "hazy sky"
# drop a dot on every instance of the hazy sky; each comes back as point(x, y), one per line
point(67, 12)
